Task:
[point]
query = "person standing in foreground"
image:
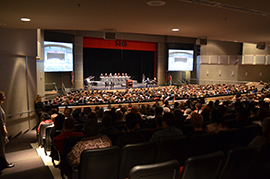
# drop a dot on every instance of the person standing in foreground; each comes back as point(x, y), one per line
point(3, 134)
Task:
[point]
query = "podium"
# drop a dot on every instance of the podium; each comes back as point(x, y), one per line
point(129, 83)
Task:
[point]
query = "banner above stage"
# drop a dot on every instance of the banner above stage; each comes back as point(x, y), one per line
point(90, 42)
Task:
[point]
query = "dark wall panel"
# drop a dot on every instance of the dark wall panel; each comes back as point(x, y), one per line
point(135, 63)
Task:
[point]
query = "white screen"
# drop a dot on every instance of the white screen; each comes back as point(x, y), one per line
point(180, 60)
point(58, 57)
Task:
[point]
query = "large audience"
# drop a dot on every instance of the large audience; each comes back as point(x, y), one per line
point(245, 105)
point(148, 94)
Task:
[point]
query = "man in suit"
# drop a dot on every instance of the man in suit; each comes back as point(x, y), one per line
point(3, 135)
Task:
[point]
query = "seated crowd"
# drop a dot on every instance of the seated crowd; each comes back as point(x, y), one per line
point(162, 119)
point(148, 94)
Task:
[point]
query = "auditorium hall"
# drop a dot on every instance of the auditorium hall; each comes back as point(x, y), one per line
point(135, 89)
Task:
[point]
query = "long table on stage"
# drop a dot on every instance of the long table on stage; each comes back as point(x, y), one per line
point(116, 80)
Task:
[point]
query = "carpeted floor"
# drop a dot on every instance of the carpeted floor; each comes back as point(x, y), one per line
point(28, 164)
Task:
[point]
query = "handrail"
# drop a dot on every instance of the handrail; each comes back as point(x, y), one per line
point(215, 80)
point(54, 85)
point(20, 113)
point(63, 88)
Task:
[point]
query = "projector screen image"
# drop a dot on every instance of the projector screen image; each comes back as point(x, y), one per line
point(180, 60)
point(58, 57)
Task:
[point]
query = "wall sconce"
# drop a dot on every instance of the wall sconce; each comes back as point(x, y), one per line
point(207, 72)
point(260, 73)
point(219, 73)
point(232, 73)
point(246, 73)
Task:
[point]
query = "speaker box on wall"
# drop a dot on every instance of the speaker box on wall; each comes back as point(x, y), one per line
point(109, 35)
point(260, 46)
point(201, 41)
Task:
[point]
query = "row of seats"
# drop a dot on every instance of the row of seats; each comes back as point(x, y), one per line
point(178, 148)
point(136, 164)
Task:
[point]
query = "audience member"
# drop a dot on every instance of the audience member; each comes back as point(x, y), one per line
point(45, 118)
point(92, 140)
point(265, 138)
point(131, 136)
point(169, 129)
point(68, 126)
point(197, 122)
point(58, 125)
point(217, 122)
point(107, 127)
point(39, 107)
point(159, 125)
point(206, 113)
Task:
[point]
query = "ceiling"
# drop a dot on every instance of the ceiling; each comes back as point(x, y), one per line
point(228, 20)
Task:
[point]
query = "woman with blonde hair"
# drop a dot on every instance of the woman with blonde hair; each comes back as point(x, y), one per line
point(39, 107)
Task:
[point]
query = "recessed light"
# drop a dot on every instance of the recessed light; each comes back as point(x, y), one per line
point(175, 30)
point(25, 19)
point(156, 3)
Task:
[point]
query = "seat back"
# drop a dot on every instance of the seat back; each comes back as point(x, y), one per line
point(100, 163)
point(168, 170)
point(248, 133)
point(69, 142)
point(172, 148)
point(47, 140)
point(42, 133)
point(136, 154)
point(186, 129)
point(240, 162)
point(204, 166)
point(202, 144)
point(145, 132)
point(114, 136)
point(228, 139)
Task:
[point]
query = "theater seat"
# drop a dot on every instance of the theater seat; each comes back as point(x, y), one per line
point(240, 163)
point(100, 163)
point(162, 170)
point(47, 141)
point(136, 154)
point(203, 167)
point(172, 148)
point(42, 135)
point(202, 144)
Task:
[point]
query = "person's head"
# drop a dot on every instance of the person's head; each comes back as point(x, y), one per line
point(197, 120)
point(168, 119)
point(91, 128)
point(106, 120)
point(67, 112)
point(45, 116)
point(159, 120)
point(2, 97)
point(131, 121)
point(38, 98)
point(59, 121)
point(69, 123)
point(158, 110)
point(92, 115)
point(134, 109)
point(119, 116)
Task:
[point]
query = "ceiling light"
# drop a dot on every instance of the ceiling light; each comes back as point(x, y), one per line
point(175, 30)
point(25, 19)
point(156, 3)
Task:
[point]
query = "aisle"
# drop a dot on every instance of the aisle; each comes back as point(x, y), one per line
point(28, 164)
